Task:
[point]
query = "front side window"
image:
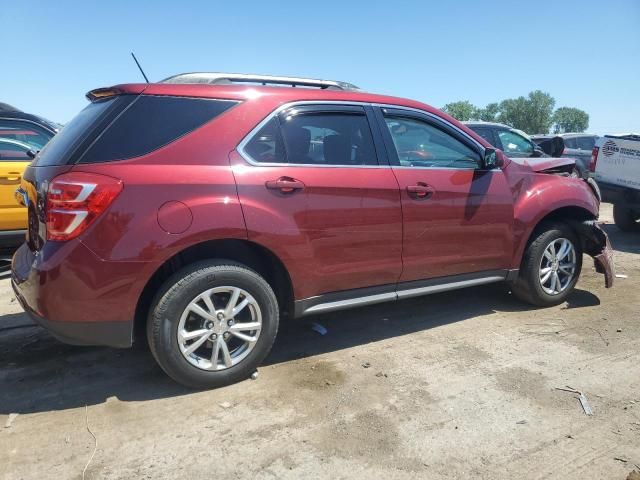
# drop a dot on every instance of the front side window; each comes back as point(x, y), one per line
point(512, 143)
point(420, 144)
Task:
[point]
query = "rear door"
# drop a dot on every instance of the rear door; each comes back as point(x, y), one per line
point(458, 218)
point(313, 191)
point(13, 162)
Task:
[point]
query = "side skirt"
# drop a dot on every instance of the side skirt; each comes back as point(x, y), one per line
point(329, 302)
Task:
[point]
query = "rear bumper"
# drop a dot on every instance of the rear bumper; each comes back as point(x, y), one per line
point(80, 299)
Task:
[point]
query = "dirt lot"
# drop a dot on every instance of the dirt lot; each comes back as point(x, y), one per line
point(456, 385)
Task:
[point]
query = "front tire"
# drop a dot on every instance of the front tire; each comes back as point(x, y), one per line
point(212, 323)
point(550, 267)
point(626, 219)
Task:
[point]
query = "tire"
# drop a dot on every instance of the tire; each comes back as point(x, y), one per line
point(529, 286)
point(626, 219)
point(180, 306)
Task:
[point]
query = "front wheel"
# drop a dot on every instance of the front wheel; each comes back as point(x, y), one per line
point(550, 267)
point(212, 324)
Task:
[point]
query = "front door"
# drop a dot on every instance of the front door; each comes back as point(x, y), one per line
point(457, 216)
point(313, 192)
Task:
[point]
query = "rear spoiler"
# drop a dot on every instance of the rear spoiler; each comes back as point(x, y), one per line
point(106, 92)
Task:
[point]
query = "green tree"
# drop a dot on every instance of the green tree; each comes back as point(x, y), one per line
point(488, 113)
point(463, 110)
point(568, 119)
point(532, 114)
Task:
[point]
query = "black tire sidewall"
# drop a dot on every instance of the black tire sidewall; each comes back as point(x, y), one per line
point(624, 219)
point(529, 281)
point(181, 289)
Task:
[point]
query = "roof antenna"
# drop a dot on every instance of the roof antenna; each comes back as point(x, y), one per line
point(138, 64)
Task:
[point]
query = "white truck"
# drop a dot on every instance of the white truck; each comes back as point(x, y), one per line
point(616, 162)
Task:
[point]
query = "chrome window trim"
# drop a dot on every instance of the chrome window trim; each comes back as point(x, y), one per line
point(12, 119)
point(247, 138)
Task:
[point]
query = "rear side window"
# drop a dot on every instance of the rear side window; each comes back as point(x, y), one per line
point(570, 142)
point(152, 122)
point(586, 143)
point(25, 132)
point(11, 152)
point(315, 138)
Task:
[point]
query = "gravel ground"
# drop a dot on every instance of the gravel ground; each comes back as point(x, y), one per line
point(455, 385)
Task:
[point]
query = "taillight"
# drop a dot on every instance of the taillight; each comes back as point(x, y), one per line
point(75, 200)
point(594, 159)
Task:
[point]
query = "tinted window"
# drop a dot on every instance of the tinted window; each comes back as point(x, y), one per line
point(485, 133)
point(25, 132)
point(64, 143)
point(266, 146)
point(586, 143)
point(328, 139)
point(512, 143)
point(152, 122)
point(570, 142)
point(420, 144)
point(11, 152)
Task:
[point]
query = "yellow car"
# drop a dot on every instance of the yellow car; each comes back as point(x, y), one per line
point(21, 135)
point(14, 158)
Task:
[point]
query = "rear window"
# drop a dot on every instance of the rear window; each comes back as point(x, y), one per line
point(586, 143)
point(151, 122)
point(61, 147)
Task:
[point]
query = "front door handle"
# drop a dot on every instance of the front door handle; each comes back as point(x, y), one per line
point(420, 190)
point(285, 184)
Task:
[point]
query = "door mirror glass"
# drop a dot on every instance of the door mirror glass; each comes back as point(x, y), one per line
point(491, 159)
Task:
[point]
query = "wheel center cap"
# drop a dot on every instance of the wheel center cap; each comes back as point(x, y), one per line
point(220, 316)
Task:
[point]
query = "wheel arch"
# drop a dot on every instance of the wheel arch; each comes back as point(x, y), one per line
point(251, 254)
point(569, 214)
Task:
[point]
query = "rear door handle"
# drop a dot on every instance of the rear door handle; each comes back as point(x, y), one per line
point(285, 184)
point(11, 176)
point(420, 190)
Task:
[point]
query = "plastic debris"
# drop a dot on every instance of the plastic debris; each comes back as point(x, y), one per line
point(581, 397)
point(621, 275)
point(318, 328)
point(12, 417)
point(225, 405)
point(254, 375)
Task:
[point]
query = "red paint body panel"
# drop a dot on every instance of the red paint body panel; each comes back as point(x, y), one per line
point(344, 230)
point(465, 226)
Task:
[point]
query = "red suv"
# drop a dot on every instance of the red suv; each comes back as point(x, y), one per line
point(207, 207)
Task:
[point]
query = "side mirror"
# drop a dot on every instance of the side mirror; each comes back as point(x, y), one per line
point(491, 159)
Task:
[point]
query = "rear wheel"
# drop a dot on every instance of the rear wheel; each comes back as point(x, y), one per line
point(212, 324)
point(626, 219)
point(550, 267)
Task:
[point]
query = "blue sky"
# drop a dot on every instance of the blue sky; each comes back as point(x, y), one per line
point(584, 53)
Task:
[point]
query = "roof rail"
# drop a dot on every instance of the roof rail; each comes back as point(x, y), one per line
point(216, 78)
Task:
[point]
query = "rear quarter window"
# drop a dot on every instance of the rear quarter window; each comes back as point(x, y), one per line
point(151, 122)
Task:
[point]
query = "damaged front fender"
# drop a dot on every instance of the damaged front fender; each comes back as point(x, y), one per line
point(595, 242)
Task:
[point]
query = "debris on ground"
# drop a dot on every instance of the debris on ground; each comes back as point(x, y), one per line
point(225, 405)
point(621, 275)
point(12, 417)
point(381, 374)
point(621, 459)
point(254, 375)
point(581, 397)
point(366, 365)
point(318, 328)
point(521, 422)
point(619, 330)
